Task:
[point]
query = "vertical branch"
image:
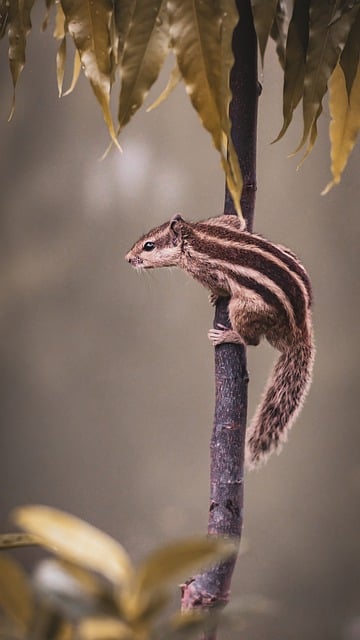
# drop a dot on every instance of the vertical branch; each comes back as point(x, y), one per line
point(228, 438)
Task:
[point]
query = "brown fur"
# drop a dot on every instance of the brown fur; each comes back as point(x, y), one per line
point(269, 295)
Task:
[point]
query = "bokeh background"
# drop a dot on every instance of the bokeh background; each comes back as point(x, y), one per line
point(107, 377)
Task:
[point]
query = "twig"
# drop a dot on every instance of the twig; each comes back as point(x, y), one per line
point(212, 587)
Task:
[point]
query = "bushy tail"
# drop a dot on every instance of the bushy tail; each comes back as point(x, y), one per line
point(283, 398)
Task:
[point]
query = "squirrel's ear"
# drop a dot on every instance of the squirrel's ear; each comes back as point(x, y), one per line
point(175, 227)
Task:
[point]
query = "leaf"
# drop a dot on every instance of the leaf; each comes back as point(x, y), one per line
point(278, 31)
point(147, 45)
point(48, 4)
point(295, 55)
point(74, 540)
point(123, 14)
point(345, 123)
point(15, 594)
point(4, 16)
point(103, 629)
point(350, 56)
point(88, 23)
point(177, 559)
point(174, 79)
point(201, 40)
point(14, 540)
point(264, 14)
point(326, 41)
point(229, 158)
point(76, 73)
point(19, 25)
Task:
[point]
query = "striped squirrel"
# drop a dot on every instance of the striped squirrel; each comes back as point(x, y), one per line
point(269, 295)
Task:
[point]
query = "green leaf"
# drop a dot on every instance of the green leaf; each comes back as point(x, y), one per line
point(15, 593)
point(146, 47)
point(19, 25)
point(278, 31)
point(295, 56)
point(350, 56)
point(326, 41)
point(264, 14)
point(88, 23)
point(201, 39)
point(74, 540)
point(345, 123)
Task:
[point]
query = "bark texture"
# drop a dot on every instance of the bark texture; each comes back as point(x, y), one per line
point(228, 438)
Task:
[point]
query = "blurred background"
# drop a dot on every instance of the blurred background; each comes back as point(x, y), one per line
point(107, 377)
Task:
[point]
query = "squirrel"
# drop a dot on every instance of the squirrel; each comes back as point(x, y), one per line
point(269, 296)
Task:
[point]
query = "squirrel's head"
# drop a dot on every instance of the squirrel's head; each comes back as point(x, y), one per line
point(161, 247)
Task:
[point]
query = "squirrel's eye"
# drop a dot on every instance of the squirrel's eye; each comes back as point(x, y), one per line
point(149, 246)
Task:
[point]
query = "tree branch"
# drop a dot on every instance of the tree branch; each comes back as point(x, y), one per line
point(228, 439)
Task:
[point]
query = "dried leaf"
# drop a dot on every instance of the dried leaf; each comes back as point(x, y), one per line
point(326, 41)
point(60, 65)
point(103, 629)
point(19, 25)
point(14, 540)
point(15, 593)
point(123, 14)
point(278, 31)
point(176, 560)
point(201, 39)
point(88, 23)
point(146, 47)
point(59, 31)
point(264, 14)
point(4, 16)
point(345, 123)
point(350, 56)
point(296, 46)
point(174, 79)
point(74, 540)
point(48, 4)
point(76, 73)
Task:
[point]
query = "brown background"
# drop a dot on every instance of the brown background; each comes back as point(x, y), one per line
point(107, 382)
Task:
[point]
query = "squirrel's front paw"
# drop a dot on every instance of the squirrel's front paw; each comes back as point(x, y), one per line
point(223, 335)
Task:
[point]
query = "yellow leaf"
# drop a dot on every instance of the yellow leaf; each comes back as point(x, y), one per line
point(174, 79)
point(103, 629)
point(145, 49)
point(15, 594)
point(76, 73)
point(345, 122)
point(88, 23)
point(296, 46)
point(14, 540)
point(74, 540)
point(60, 64)
point(201, 38)
point(264, 14)
point(48, 5)
point(59, 31)
point(19, 25)
point(326, 41)
point(176, 560)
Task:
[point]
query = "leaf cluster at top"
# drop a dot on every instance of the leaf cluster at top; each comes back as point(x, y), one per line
point(318, 47)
